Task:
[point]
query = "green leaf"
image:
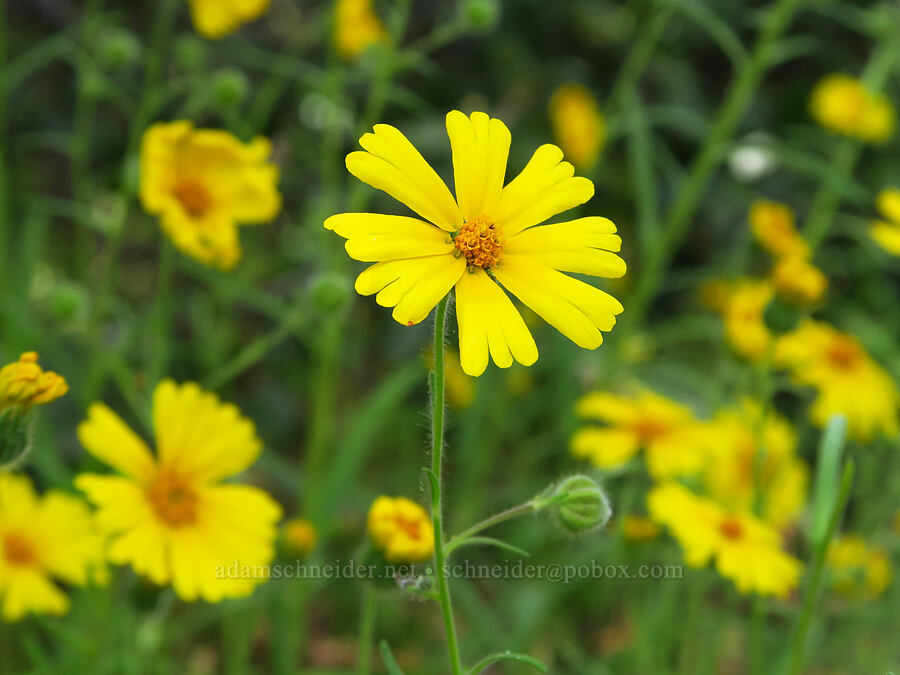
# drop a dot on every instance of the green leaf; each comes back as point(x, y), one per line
point(827, 478)
point(388, 658)
point(506, 656)
point(489, 541)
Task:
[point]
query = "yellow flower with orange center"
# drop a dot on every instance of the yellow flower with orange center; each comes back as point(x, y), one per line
point(42, 538)
point(665, 430)
point(203, 183)
point(848, 381)
point(24, 384)
point(356, 27)
point(299, 536)
point(578, 124)
point(743, 548)
point(887, 232)
point(169, 516)
point(214, 19)
point(483, 243)
point(401, 529)
point(843, 105)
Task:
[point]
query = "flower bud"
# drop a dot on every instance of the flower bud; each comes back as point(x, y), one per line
point(579, 502)
point(329, 292)
point(481, 14)
point(118, 48)
point(229, 87)
point(190, 52)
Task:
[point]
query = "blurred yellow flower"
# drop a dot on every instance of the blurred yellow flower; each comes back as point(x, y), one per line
point(849, 382)
point(743, 304)
point(774, 228)
point(168, 515)
point(299, 536)
point(887, 232)
point(202, 183)
point(460, 387)
point(24, 384)
point(842, 105)
point(356, 27)
point(42, 539)
point(664, 429)
point(732, 442)
point(638, 528)
point(401, 529)
point(744, 548)
point(484, 238)
point(578, 124)
point(214, 19)
point(797, 281)
point(856, 569)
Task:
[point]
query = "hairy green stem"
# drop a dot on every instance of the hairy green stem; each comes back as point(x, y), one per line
point(496, 519)
point(437, 519)
point(708, 159)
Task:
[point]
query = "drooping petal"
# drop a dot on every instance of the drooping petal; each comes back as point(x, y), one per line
point(582, 246)
point(576, 309)
point(391, 163)
point(489, 323)
point(547, 186)
point(373, 237)
point(109, 439)
point(200, 437)
point(480, 147)
point(412, 286)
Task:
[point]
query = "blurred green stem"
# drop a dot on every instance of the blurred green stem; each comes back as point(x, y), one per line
point(437, 519)
point(845, 157)
point(708, 159)
point(367, 630)
point(161, 318)
point(4, 189)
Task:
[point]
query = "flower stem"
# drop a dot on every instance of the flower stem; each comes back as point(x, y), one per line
point(495, 519)
point(366, 631)
point(437, 448)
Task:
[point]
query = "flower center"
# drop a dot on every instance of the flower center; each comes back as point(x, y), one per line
point(649, 430)
point(410, 527)
point(480, 241)
point(843, 353)
point(18, 551)
point(173, 500)
point(731, 529)
point(193, 196)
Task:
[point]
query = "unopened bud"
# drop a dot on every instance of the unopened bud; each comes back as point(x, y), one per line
point(119, 48)
point(229, 87)
point(579, 502)
point(481, 14)
point(329, 292)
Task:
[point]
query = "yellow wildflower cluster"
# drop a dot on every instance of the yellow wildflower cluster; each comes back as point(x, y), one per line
point(299, 536)
point(743, 548)
point(214, 19)
point(742, 305)
point(887, 232)
point(401, 529)
point(356, 27)
point(203, 183)
point(843, 105)
point(856, 569)
point(578, 125)
point(24, 384)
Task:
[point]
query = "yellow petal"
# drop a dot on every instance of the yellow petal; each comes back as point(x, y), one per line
point(606, 448)
point(889, 204)
point(480, 147)
point(583, 246)
point(109, 439)
point(412, 286)
point(373, 237)
point(488, 322)
point(29, 590)
point(886, 235)
point(577, 310)
point(200, 437)
point(545, 187)
point(391, 163)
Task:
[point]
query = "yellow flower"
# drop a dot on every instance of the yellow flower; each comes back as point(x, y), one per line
point(214, 19)
point(42, 539)
point(401, 529)
point(744, 548)
point(482, 239)
point(774, 228)
point(202, 183)
point(168, 515)
point(356, 27)
point(578, 124)
point(729, 475)
point(299, 536)
point(666, 430)
point(856, 569)
point(638, 528)
point(24, 384)
point(798, 281)
point(742, 305)
point(842, 105)
point(887, 232)
point(848, 380)
point(460, 387)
